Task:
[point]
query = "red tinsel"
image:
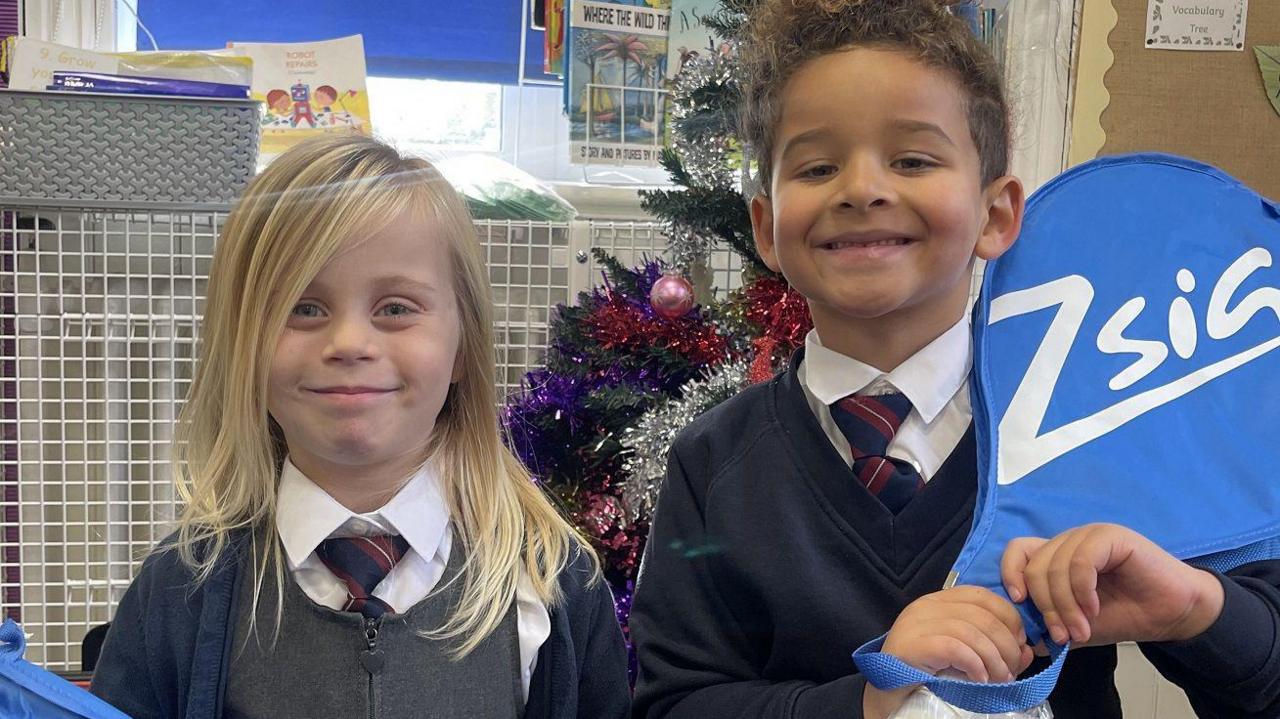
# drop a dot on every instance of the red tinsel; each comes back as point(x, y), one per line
point(624, 548)
point(781, 313)
point(603, 511)
point(619, 325)
point(619, 542)
point(761, 367)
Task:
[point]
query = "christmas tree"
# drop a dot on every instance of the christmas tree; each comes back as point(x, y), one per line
point(625, 371)
point(637, 359)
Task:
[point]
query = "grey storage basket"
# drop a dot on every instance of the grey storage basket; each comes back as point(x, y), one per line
point(125, 151)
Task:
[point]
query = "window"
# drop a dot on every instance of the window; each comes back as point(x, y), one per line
point(430, 116)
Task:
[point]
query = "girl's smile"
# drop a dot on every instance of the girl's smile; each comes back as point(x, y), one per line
point(352, 397)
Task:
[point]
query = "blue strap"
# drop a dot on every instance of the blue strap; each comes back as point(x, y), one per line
point(26, 690)
point(887, 672)
point(13, 642)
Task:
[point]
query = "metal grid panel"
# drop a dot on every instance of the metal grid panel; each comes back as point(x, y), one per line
point(726, 271)
point(631, 242)
point(529, 272)
point(98, 325)
point(634, 242)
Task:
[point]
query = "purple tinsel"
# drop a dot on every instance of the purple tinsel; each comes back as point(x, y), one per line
point(560, 396)
point(547, 392)
point(645, 276)
point(622, 607)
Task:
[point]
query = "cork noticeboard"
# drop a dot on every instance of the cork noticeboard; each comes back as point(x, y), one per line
point(1210, 106)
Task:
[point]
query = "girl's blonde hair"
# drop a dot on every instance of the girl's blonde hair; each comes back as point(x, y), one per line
point(310, 204)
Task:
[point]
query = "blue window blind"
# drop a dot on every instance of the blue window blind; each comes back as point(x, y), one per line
point(8, 18)
point(459, 40)
point(8, 22)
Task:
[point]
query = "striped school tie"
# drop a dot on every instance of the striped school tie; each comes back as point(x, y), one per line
point(362, 563)
point(869, 423)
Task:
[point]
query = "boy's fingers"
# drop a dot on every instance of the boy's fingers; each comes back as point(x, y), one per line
point(991, 603)
point(1027, 656)
point(1088, 559)
point(1094, 556)
point(1084, 587)
point(990, 635)
point(1037, 579)
point(1011, 648)
point(996, 659)
point(1006, 644)
point(1014, 563)
point(966, 628)
point(981, 643)
point(1071, 570)
point(963, 658)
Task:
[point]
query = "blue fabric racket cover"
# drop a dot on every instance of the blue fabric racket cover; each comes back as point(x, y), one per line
point(29, 692)
point(1124, 371)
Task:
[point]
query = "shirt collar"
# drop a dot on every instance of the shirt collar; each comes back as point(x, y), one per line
point(929, 378)
point(307, 515)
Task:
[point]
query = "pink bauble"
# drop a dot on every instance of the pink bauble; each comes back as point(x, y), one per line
point(671, 296)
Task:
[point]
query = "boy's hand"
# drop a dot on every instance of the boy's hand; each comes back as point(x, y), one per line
point(1103, 583)
point(965, 629)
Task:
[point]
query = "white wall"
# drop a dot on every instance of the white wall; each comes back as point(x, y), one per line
point(1144, 694)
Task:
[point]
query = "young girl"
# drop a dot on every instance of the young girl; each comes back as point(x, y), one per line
point(355, 539)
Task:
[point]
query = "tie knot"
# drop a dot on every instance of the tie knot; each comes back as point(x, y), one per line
point(362, 563)
point(870, 421)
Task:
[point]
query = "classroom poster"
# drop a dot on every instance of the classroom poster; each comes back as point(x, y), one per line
point(1196, 24)
point(616, 97)
point(553, 38)
point(308, 89)
point(689, 38)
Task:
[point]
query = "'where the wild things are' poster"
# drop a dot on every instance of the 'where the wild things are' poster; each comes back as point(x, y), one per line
point(617, 68)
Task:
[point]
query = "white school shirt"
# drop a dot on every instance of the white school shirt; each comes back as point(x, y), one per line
point(307, 515)
point(935, 379)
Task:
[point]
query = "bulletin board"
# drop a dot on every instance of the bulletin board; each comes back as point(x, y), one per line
point(1210, 106)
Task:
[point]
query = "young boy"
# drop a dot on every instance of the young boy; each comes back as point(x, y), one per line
point(812, 513)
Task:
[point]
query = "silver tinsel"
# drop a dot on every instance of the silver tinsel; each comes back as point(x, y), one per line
point(686, 247)
point(706, 159)
point(647, 443)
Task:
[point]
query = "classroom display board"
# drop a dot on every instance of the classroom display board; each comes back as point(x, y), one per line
point(1212, 105)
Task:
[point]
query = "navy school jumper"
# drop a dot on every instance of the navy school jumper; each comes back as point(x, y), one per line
point(768, 565)
point(168, 650)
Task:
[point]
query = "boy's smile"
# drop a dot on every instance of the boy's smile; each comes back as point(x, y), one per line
point(860, 247)
point(876, 206)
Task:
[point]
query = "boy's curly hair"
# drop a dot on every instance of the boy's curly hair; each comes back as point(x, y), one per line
point(782, 35)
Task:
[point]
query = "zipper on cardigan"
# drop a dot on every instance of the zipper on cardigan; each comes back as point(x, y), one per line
point(371, 658)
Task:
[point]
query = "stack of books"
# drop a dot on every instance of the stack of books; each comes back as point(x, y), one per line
point(128, 85)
